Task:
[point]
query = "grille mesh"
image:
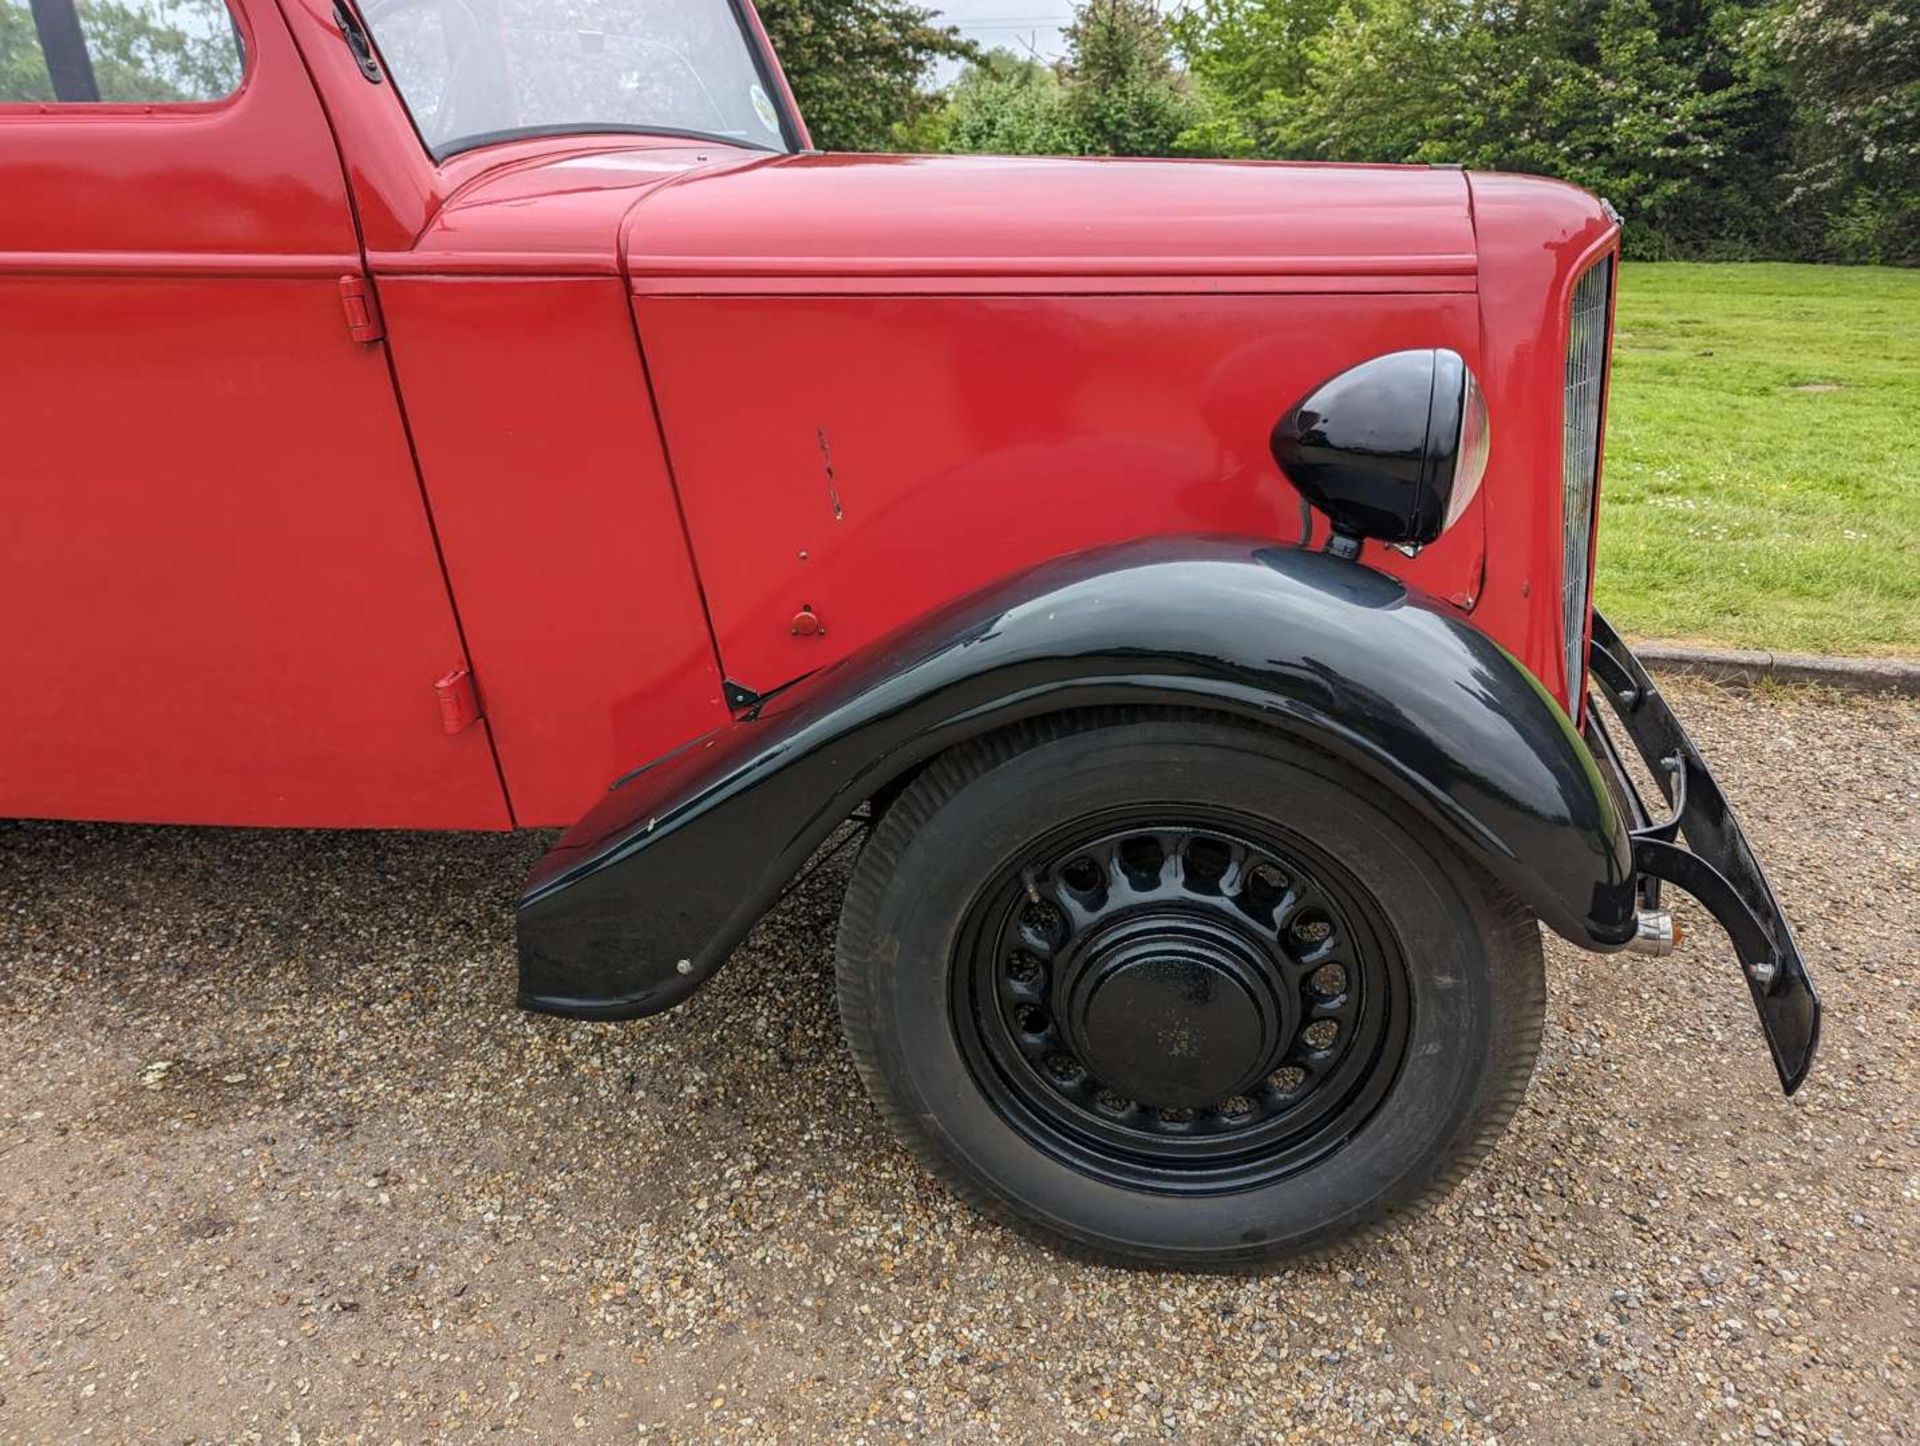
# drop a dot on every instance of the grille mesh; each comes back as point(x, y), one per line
point(1586, 377)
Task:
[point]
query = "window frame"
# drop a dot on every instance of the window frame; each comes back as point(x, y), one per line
point(121, 109)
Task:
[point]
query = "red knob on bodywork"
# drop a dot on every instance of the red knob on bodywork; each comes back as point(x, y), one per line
point(806, 624)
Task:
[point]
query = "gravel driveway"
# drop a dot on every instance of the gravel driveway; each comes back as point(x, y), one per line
point(279, 1160)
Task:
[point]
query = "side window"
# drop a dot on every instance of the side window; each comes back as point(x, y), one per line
point(141, 52)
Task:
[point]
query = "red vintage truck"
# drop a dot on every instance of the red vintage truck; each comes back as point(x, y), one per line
point(489, 414)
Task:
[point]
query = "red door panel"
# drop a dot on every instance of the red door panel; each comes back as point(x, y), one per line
point(219, 601)
point(219, 595)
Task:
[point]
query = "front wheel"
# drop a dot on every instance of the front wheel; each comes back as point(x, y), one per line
point(1166, 990)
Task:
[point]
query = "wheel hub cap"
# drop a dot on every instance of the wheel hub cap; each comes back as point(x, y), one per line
point(1174, 1013)
point(1190, 1004)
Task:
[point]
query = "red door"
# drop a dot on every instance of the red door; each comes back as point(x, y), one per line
point(220, 600)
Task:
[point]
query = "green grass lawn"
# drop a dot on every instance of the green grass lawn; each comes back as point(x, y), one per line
point(1763, 458)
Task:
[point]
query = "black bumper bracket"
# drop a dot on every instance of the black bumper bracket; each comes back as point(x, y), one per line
point(1717, 865)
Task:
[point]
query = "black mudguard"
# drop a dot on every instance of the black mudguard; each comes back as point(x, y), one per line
point(643, 899)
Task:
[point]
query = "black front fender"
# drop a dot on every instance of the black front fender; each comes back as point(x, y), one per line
point(645, 897)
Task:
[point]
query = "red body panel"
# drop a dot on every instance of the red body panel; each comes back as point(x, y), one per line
point(561, 535)
point(932, 445)
point(220, 593)
point(251, 181)
point(677, 409)
point(1047, 356)
point(551, 213)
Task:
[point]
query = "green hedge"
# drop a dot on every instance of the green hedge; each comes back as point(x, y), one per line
point(1721, 129)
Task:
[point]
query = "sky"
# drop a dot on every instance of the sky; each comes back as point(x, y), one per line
point(1020, 25)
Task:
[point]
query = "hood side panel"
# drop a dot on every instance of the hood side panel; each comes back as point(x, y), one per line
point(846, 463)
point(894, 223)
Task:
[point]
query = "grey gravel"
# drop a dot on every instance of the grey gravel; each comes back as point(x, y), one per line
point(279, 1161)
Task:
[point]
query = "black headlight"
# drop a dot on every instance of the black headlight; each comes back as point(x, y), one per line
point(1393, 449)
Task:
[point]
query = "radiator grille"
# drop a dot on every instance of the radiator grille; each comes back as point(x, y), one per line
point(1586, 378)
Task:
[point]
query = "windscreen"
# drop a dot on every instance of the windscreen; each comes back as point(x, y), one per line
point(477, 71)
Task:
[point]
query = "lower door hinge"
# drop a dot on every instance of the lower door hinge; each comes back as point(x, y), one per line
point(362, 308)
point(459, 703)
point(738, 697)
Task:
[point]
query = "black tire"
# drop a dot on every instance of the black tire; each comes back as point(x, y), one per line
point(990, 1071)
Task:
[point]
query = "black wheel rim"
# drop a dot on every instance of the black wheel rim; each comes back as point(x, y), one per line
point(1182, 1000)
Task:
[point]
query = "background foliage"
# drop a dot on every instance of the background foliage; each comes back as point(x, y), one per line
point(142, 50)
point(1720, 128)
point(857, 66)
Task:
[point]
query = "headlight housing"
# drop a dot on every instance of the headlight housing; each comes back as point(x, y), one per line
point(1393, 449)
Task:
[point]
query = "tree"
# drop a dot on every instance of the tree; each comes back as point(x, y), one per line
point(1124, 95)
point(23, 70)
point(1853, 70)
point(141, 50)
point(1245, 57)
point(1119, 92)
point(1652, 106)
point(1002, 104)
point(856, 66)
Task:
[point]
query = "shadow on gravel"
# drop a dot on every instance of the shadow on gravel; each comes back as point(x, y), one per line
point(334, 975)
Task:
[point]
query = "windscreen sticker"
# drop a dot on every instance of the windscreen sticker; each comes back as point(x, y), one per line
point(763, 107)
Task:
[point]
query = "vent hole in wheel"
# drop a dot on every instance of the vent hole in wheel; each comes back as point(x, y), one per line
point(1310, 930)
point(1063, 1068)
point(1321, 1034)
point(1265, 883)
point(1142, 858)
point(1329, 981)
point(1207, 860)
point(1044, 923)
point(1083, 876)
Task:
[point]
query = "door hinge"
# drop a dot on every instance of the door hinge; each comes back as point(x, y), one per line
point(362, 308)
point(738, 697)
point(459, 703)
